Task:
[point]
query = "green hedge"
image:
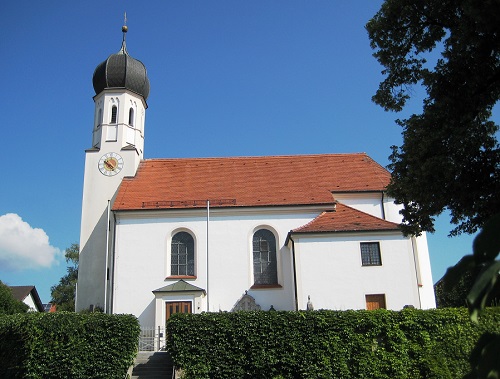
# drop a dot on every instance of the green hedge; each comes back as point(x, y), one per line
point(327, 344)
point(67, 345)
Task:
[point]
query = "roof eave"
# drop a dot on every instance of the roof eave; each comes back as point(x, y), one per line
point(328, 205)
point(345, 231)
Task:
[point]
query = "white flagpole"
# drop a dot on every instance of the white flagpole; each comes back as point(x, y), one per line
point(208, 220)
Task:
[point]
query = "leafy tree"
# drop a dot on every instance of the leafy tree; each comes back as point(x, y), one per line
point(63, 294)
point(452, 291)
point(8, 304)
point(450, 157)
point(486, 249)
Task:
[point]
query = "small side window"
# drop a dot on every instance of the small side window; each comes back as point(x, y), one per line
point(370, 254)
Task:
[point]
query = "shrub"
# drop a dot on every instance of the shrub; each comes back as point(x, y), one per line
point(67, 345)
point(8, 303)
point(326, 344)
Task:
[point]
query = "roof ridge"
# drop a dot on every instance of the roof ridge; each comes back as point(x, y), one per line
point(262, 157)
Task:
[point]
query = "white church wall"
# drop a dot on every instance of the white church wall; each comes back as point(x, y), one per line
point(374, 203)
point(392, 210)
point(329, 269)
point(367, 202)
point(142, 249)
point(428, 298)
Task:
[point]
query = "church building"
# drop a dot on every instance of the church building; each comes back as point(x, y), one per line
point(167, 235)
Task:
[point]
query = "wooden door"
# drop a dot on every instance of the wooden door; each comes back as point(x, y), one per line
point(178, 307)
point(375, 302)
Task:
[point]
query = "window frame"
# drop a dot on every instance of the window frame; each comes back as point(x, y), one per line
point(114, 115)
point(263, 280)
point(368, 257)
point(99, 118)
point(190, 268)
point(131, 116)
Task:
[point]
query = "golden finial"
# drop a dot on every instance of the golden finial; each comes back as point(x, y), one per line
point(124, 27)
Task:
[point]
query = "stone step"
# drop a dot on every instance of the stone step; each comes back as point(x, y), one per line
point(152, 366)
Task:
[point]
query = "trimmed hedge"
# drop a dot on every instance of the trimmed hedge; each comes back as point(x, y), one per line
point(327, 344)
point(67, 345)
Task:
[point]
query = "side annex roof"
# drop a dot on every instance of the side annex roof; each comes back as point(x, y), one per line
point(346, 219)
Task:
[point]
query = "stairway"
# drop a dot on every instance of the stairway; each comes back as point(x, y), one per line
point(152, 365)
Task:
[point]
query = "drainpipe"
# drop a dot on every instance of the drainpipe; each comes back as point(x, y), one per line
point(294, 273)
point(106, 271)
point(417, 269)
point(382, 205)
point(112, 267)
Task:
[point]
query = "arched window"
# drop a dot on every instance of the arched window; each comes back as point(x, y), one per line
point(131, 116)
point(182, 255)
point(114, 110)
point(265, 267)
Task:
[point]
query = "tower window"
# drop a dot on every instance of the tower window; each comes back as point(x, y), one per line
point(99, 117)
point(131, 117)
point(114, 111)
point(265, 266)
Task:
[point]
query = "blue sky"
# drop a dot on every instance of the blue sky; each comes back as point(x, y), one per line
point(228, 78)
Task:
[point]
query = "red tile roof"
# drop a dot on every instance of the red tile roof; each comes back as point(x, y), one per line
point(248, 181)
point(345, 219)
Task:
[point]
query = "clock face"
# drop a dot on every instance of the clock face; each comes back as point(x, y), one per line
point(110, 164)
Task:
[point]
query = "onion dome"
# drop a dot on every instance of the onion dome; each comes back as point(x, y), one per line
point(120, 70)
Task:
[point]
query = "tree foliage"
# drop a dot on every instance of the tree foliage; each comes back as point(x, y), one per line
point(485, 267)
point(452, 291)
point(63, 294)
point(450, 157)
point(9, 305)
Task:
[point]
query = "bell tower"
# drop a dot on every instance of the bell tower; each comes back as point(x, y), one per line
point(121, 89)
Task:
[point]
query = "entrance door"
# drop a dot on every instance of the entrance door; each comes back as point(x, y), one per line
point(178, 307)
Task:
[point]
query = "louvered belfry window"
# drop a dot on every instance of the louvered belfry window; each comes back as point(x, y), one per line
point(264, 258)
point(114, 110)
point(182, 255)
point(131, 116)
